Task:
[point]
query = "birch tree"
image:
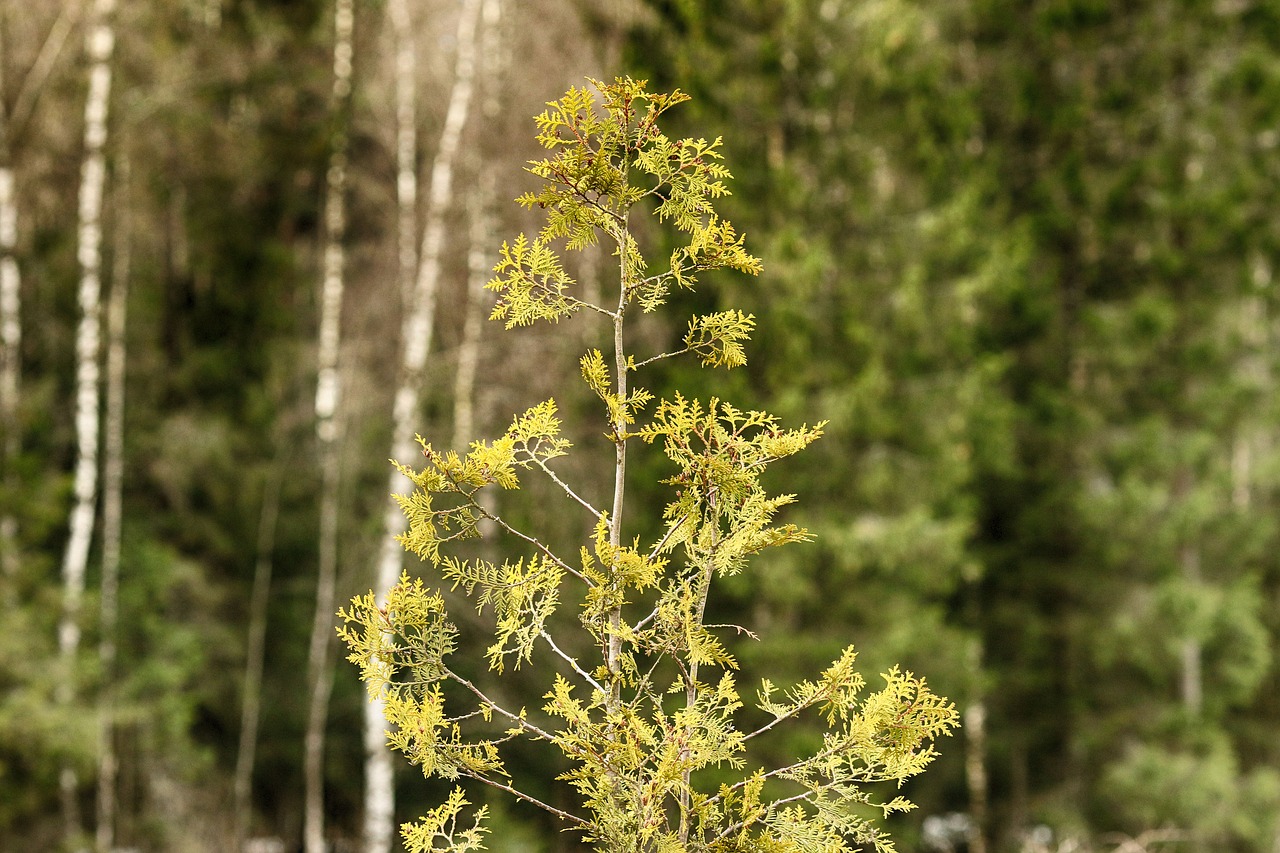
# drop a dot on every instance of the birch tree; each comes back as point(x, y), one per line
point(406, 74)
point(379, 804)
point(479, 259)
point(10, 350)
point(12, 121)
point(320, 676)
point(100, 44)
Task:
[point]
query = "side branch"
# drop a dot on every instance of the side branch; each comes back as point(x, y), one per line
point(581, 303)
point(651, 359)
point(520, 721)
point(551, 555)
point(521, 795)
point(566, 488)
point(572, 661)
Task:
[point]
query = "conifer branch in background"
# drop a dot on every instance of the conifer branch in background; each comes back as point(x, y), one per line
point(641, 761)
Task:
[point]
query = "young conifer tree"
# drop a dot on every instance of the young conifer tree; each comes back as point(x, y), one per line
point(654, 712)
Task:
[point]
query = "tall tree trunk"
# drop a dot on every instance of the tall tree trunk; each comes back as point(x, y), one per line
point(975, 751)
point(100, 44)
point(251, 699)
point(112, 507)
point(406, 76)
point(10, 357)
point(320, 675)
point(479, 256)
point(24, 103)
point(415, 345)
point(479, 263)
point(1192, 648)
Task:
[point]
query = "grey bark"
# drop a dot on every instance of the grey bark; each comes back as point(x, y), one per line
point(112, 510)
point(251, 695)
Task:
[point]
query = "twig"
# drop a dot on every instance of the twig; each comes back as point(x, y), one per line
point(535, 543)
point(571, 661)
point(651, 359)
point(521, 795)
point(515, 718)
point(565, 486)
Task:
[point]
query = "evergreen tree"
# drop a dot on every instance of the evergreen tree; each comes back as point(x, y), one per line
point(645, 766)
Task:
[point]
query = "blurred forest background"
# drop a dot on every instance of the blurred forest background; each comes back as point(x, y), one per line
point(1020, 253)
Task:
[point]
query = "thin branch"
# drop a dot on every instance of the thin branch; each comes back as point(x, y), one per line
point(779, 719)
point(551, 555)
point(565, 486)
point(654, 279)
point(591, 305)
point(521, 795)
point(738, 628)
point(778, 771)
point(651, 359)
point(569, 659)
point(646, 620)
point(34, 80)
point(767, 810)
point(515, 718)
point(666, 537)
point(653, 552)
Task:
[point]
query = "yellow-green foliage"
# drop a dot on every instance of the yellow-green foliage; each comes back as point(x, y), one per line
point(657, 704)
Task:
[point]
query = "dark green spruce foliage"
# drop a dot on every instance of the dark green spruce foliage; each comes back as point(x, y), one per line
point(643, 703)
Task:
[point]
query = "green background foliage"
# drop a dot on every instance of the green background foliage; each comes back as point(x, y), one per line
point(1020, 258)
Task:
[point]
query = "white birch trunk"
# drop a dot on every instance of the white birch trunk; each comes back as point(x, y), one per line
point(50, 49)
point(379, 822)
point(320, 675)
point(406, 74)
point(10, 358)
point(112, 510)
point(478, 267)
point(11, 123)
point(100, 44)
point(479, 256)
point(251, 696)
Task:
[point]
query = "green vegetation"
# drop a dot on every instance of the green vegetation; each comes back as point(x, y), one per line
point(1021, 267)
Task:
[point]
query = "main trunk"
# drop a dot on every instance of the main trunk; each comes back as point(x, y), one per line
point(328, 394)
point(100, 44)
point(112, 512)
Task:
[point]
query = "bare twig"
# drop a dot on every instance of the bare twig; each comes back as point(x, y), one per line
point(569, 659)
point(566, 488)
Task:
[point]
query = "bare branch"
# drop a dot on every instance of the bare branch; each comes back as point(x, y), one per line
point(551, 555)
point(521, 795)
point(33, 81)
point(651, 359)
point(569, 659)
point(565, 487)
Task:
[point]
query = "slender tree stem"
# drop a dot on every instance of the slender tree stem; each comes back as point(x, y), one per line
point(100, 43)
point(251, 697)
